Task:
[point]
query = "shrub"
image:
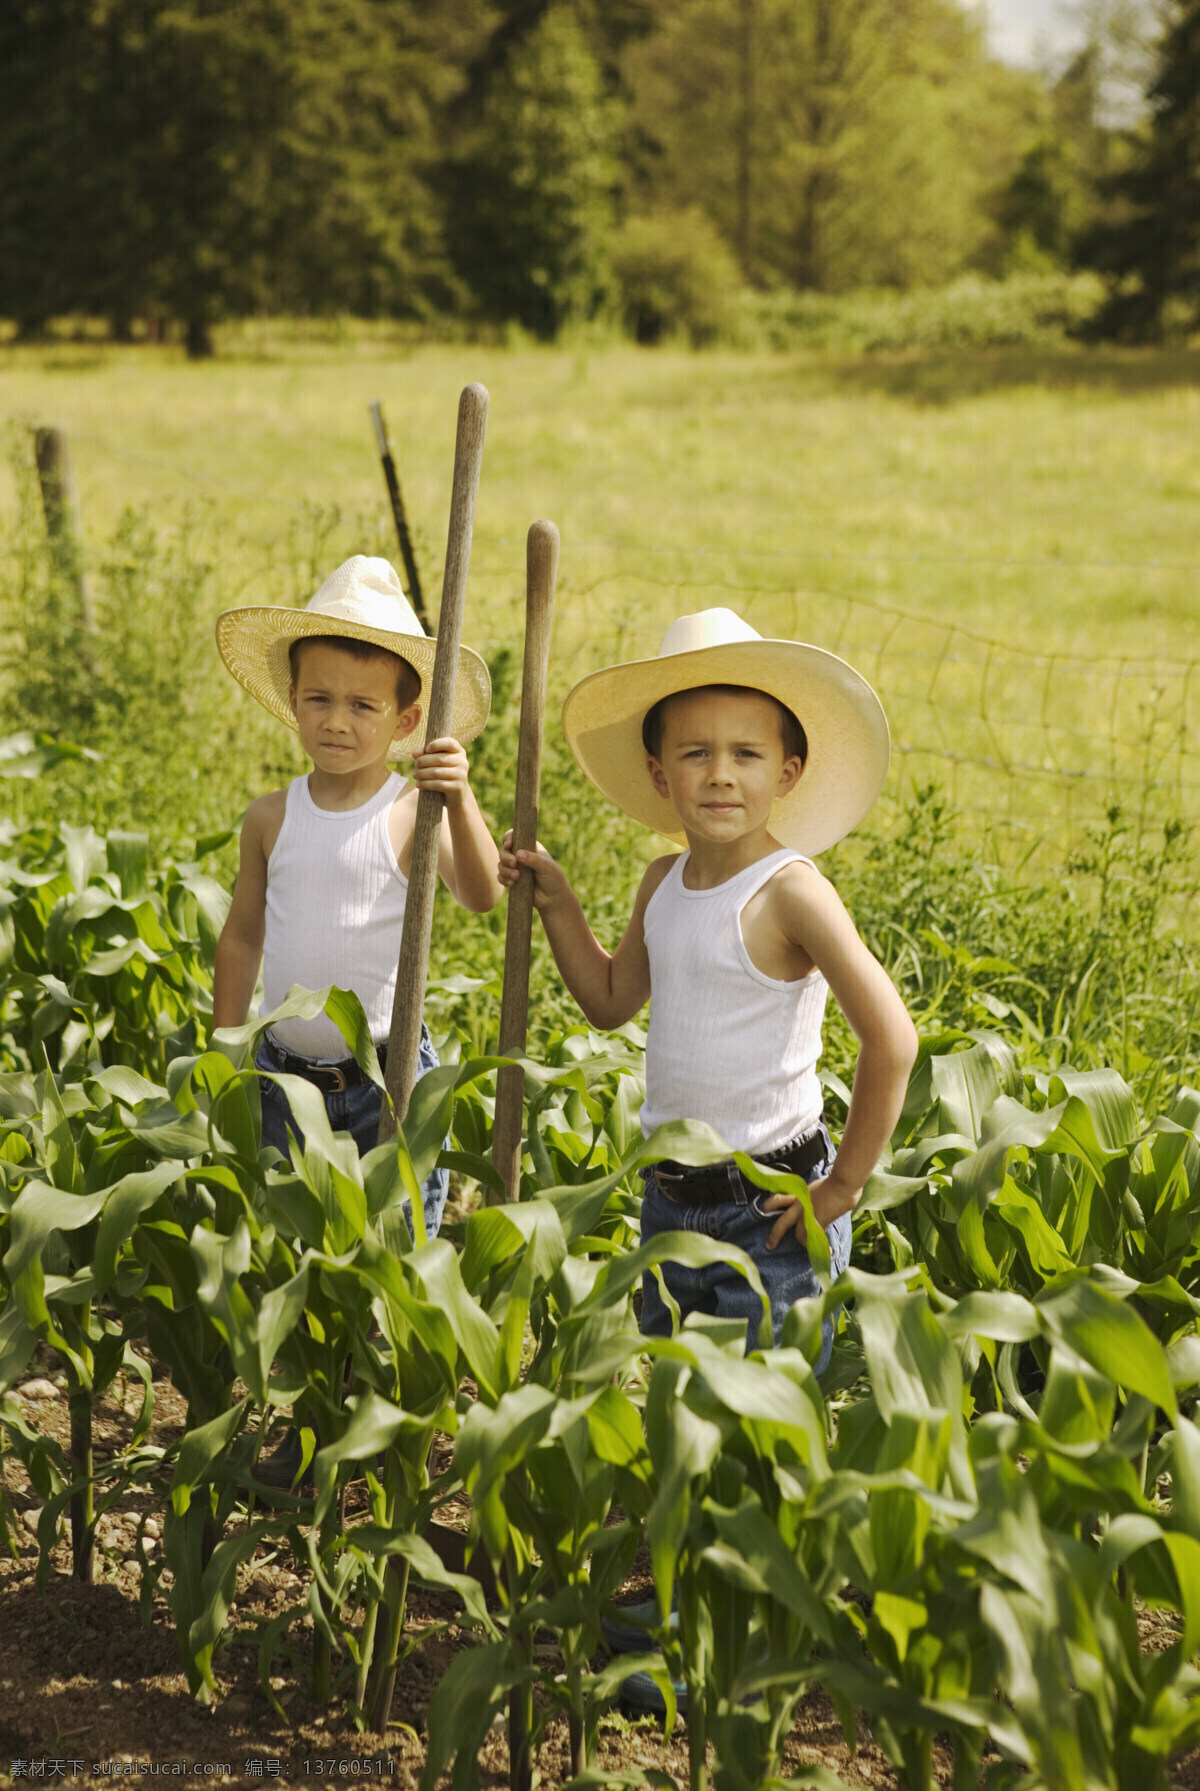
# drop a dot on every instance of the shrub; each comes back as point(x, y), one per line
point(1026, 310)
point(677, 277)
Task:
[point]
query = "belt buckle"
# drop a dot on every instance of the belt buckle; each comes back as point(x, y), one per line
point(337, 1079)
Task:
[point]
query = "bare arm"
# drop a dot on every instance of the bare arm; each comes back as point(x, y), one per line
point(467, 856)
point(610, 988)
point(239, 949)
point(814, 918)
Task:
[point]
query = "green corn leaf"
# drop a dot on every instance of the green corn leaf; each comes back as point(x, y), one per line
point(427, 1122)
point(212, 902)
point(1047, 1252)
point(59, 1156)
point(883, 1192)
point(129, 859)
point(384, 1544)
point(1185, 1478)
point(1109, 1334)
point(1185, 1559)
point(342, 1007)
point(972, 1241)
point(169, 1133)
point(127, 1200)
point(1108, 1103)
point(622, 1274)
point(40, 1210)
point(17, 1344)
point(965, 1084)
point(816, 1240)
point(1183, 1360)
point(86, 854)
point(912, 1362)
point(218, 1589)
point(374, 1424)
point(614, 1428)
point(468, 1695)
point(494, 1440)
point(683, 1447)
point(199, 1450)
point(406, 1312)
point(898, 1617)
point(279, 1313)
point(19, 1097)
point(1008, 1126)
point(476, 1335)
point(751, 1538)
point(123, 1084)
point(492, 1237)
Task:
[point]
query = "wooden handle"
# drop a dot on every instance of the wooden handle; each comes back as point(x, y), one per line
point(541, 570)
point(405, 1036)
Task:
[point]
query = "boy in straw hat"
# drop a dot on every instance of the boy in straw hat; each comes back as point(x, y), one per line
point(754, 753)
point(322, 881)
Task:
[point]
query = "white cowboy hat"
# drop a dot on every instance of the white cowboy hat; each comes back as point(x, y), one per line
point(848, 741)
point(363, 601)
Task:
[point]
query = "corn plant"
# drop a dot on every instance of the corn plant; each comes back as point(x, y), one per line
point(104, 960)
point(999, 1180)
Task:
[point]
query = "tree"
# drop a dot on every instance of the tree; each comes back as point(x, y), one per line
point(536, 204)
point(199, 159)
point(834, 142)
point(1151, 248)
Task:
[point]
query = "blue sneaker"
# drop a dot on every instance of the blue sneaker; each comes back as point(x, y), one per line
point(640, 1696)
point(631, 1636)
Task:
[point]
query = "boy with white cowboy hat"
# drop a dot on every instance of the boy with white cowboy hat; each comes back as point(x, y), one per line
point(322, 881)
point(754, 753)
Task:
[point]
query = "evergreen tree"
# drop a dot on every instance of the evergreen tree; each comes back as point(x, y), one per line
point(536, 207)
point(199, 159)
point(1151, 248)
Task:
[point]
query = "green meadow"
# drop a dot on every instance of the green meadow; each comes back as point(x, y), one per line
point(1005, 541)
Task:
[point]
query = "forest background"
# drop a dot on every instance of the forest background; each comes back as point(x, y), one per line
point(675, 165)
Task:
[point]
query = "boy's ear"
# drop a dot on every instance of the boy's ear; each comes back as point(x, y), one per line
point(658, 776)
point(406, 721)
point(292, 701)
point(793, 771)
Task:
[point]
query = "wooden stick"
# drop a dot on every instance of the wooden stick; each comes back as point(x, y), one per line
point(404, 1038)
point(541, 570)
point(392, 480)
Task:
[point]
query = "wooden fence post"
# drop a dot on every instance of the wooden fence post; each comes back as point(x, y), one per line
point(60, 501)
point(392, 481)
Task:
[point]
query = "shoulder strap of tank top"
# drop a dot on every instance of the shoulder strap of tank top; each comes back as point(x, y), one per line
point(767, 868)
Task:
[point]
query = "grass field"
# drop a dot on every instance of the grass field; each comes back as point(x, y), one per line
point(1006, 543)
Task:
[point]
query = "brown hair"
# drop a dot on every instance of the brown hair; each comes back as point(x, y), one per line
point(408, 681)
point(795, 740)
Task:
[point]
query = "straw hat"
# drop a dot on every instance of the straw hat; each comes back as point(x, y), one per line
point(848, 740)
point(363, 601)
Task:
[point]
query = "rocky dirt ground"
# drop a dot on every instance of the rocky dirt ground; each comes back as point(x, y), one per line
point(88, 1692)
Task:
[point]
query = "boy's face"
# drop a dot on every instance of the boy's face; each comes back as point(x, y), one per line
point(346, 709)
point(722, 763)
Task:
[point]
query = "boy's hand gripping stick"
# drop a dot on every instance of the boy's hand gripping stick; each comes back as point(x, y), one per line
point(404, 1039)
point(541, 569)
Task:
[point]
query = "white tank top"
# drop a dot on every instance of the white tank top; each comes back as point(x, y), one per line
point(727, 1044)
point(335, 910)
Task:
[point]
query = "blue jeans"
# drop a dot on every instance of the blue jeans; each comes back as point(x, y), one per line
point(718, 1289)
point(354, 1109)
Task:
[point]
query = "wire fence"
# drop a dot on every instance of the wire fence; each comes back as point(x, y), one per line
point(1031, 743)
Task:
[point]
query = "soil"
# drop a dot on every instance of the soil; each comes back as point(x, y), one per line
point(88, 1692)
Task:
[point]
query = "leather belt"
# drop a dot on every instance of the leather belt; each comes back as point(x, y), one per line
point(330, 1078)
point(707, 1185)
